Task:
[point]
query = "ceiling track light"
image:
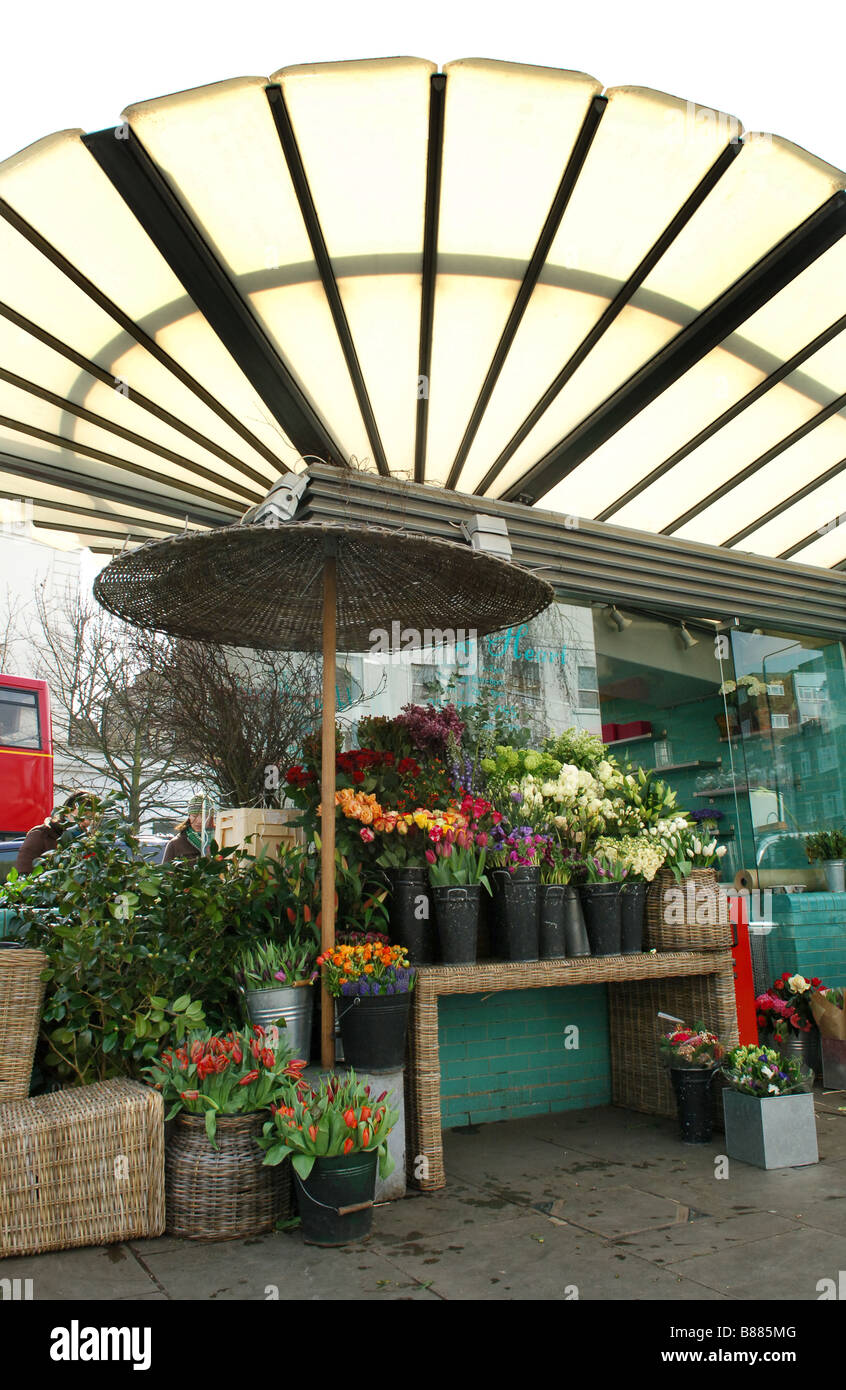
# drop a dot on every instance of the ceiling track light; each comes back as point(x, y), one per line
point(615, 619)
point(686, 638)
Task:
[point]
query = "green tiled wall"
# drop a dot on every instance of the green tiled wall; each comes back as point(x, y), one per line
point(810, 936)
point(503, 1056)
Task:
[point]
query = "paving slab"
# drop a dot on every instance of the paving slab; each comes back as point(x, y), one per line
point(540, 1260)
point(428, 1214)
point(90, 1273)
point(704, 1235)
point(281, 1266)
point(614, 1212)
point(787, 1266)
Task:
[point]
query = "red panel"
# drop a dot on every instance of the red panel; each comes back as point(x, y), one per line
point(744, 982)
point(26, 775)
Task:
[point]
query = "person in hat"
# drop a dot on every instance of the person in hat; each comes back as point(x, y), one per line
point(76, 814)
point(187, 843)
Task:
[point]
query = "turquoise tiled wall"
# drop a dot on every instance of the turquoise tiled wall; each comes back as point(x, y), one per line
point(810, 936)
point(503, 1056)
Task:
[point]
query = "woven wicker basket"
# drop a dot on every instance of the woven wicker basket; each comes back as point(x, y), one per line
point(671, 922)
point(21, 997)
point(226, 1193)
point(83, 1166)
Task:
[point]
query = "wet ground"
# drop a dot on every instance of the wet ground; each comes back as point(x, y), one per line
point(592, 1204)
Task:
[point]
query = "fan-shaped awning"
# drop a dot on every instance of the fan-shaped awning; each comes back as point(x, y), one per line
point(496, 279)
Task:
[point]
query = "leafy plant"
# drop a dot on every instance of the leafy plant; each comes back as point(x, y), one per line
point(337, 1118)
point(825, 844)
point(271, 964)
point(237, 1074)
point(367, 967)
point(763, 1072)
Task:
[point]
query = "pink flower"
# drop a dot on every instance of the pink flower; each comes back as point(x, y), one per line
point(482, 839)
point(366, 834)
point(431, 856)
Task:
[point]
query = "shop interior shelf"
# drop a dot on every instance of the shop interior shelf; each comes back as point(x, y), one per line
point(636, 738)
point(721, 791)
point(683, 767)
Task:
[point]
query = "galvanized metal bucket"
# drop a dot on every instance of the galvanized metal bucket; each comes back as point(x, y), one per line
point(293, 1005)
point(835, 875)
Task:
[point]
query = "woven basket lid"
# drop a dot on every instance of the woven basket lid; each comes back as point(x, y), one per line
point(254, 586)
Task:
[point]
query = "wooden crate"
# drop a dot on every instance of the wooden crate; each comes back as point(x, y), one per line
point(269, 828)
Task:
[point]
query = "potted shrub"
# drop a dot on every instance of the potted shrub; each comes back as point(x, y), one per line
point(786, 1017)
point(769, 1111)
point(828, 847)
point(457, 875)
point(335, 1135)
point(602, 905)
point(276, 977)
point(372, 982)
point(693, 1056)
point(219, 1089)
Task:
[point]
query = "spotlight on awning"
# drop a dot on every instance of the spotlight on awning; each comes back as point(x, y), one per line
point(488, 533)
point(686, 638)
point(281, 502)
point(615, 619)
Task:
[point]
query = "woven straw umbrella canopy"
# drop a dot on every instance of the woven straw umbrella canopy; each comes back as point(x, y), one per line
point(302, 586)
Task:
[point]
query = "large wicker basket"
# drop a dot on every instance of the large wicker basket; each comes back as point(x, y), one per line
point(21, 997)
point(226, 1193)
point(691, 915)
point(83, 1166)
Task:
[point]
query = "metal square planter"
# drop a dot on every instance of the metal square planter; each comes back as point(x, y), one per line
point(834, 1064)
point(771, 1132)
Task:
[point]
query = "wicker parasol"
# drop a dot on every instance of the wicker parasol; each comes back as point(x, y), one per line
point(302, 586)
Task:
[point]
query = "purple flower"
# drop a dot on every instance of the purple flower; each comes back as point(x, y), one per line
point(280, 975)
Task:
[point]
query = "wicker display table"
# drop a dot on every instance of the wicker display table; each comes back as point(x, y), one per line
point(695, 985)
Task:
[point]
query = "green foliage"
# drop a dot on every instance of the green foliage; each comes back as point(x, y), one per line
point(578, 747)
point(646, 800)
point(339, 1117)
point(137, 952)
point(825, 844)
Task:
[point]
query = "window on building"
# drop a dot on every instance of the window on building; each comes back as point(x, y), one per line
point(775, 688)
point(588, 689)
point(780, 721)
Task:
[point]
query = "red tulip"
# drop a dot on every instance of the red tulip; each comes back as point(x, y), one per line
point(251, 1076)
point(348, 1146)
point(312, 1133)
point(349, 1119)
point(365, 1137)
point(190, 1095)
point(365, 1112)
point(267, 1057)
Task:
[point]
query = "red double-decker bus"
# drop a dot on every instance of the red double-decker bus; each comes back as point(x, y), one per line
point(26, 755)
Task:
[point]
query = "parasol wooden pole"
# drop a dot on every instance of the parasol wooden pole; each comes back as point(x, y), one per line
point(327, 796)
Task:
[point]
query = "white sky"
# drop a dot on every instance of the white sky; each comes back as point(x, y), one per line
point(778, 67)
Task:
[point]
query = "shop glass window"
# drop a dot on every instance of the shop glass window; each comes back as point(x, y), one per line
point(588, 697)
point(19, 718)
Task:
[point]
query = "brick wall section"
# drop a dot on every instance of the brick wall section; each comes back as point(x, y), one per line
point(503, 1056)
point(810, 936)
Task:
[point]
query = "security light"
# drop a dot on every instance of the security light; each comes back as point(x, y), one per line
point(281, 502)
point(488, 533)
point(614, 618)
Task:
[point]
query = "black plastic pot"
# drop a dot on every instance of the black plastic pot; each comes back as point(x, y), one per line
point(411, 913)
point(692, 1086)
point(632, 910)
point(336, 1199)
point(497, 879)
point(602, 908)
point(552, 939)
point(457, 917)
point(373, 1029)
point(575, 936)
point(519, 893)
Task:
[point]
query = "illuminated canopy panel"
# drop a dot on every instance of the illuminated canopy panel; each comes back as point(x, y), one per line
point(496, 279)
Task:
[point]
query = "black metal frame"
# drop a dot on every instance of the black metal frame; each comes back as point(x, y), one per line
point(431, 218)
point(152, 202)
point(623, 297)
point(752, 468)
point(130, 327)
point(780, 374)
point(296, 168)
point(573, 168)
point(781, 264)
point(68, 481)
